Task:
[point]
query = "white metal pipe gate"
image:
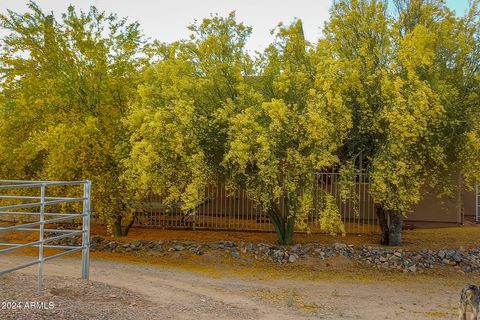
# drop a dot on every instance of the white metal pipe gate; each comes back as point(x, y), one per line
point(41, 202)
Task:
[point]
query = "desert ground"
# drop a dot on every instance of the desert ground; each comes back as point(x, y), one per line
point(139, 290)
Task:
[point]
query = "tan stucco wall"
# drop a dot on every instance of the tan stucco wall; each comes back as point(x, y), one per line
point(436, 210)
point(468, 200)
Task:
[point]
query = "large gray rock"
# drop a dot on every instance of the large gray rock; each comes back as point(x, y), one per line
point(339, 246)
point(441, 254)
point(179, 247)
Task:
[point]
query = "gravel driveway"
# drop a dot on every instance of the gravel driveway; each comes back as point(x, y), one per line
point(138, 291)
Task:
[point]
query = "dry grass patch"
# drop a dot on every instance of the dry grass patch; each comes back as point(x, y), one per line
point(418, 239)
point(437, 314)
point(439, 238)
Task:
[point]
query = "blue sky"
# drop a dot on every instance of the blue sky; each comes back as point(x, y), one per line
point(167, 20)
point(458, 5)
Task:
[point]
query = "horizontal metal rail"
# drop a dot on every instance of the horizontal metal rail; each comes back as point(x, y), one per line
point(34, 197)
point(40, 223)
point(39, 204)
point(51, 246)
point(32, 244)
point(21, 246)
point(39, 226)
point(48, 183)
point(63, 253)
point(34, 213)
point(32, 263)
point(25, 265)
point(21, 186)
point(46, 230)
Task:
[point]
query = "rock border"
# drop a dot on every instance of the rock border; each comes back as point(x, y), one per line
point(462, 260)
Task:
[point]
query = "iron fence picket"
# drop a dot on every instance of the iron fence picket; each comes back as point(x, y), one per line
point(234, 210)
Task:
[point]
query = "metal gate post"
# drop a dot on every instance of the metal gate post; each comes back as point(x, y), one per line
point(86, 230)
point(40, 246)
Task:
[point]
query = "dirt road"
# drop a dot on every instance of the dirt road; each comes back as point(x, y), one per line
point(120, 290)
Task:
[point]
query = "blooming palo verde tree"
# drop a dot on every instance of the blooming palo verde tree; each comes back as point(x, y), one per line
point(404, 80)
point(275, 148)
point(66, 84)
point(273, 152)
point(178, 123)
point(203, 114)
point(391, 89)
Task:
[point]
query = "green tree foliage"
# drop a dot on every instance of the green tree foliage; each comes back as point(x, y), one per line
point(391, 89)
point(403, 82)
point(203, 114)
point(178, 123)
point(462, 131)
point(276, 148)
point(274, 152)
point(66, 85)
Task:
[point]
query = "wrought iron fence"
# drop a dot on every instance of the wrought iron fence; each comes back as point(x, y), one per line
point(36, 207)
point(477, 203)
point(234, 210)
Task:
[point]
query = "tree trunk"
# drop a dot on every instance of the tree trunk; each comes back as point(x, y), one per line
point(283, 225)
point(117, 227)
point(130, 224)
point(289, 228)
point(391, 223)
